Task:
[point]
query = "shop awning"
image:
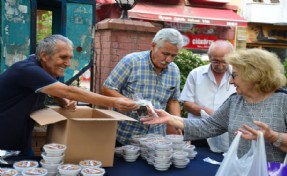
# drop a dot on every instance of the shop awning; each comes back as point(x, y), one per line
point(186, 14)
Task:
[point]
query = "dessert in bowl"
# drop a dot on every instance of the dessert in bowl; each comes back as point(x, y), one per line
point(90, 163)
point(21, 165)
point(69, 169)
point(92, 171)
point(8, 172)
point(34, 172)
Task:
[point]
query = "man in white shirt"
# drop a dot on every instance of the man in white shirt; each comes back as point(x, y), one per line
point(207, 87)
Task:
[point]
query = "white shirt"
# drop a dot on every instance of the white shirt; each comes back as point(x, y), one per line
point(201, 88)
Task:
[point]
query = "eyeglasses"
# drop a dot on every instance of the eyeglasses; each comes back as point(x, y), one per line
point(166, 54)
point(217, 62)
point(233, 75)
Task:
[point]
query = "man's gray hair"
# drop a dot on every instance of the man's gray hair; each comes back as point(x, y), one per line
point(48, 44)
point(221, 44)
point(170, 35)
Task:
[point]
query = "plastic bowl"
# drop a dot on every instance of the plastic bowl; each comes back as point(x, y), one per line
point(50, 167)
point(8, 172)
point(34, 171)
point(54, 149)
point(93, 171)
point(52, 159)
point(21, 165)
point(90, 163)
point(69, 169)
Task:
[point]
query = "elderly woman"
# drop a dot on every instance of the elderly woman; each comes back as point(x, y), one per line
point(259, 104)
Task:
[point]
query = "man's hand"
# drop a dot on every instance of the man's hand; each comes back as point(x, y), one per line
point(66, 103)
point(125, 104)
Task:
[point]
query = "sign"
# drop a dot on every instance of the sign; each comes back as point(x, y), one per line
point(201, 42)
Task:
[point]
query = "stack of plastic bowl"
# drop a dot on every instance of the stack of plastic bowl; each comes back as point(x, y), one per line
point(131, 153)
point(162, 154)
point(190, 150)
point(8, 172)
point(53, 157)
point(93, 171)
point(135, 139)
point(180, 159)
point(21, 165)
point(34, 172)
point(151, 152)
point(119, 151)
point(144, 144)
point(69, 169)
point(177, 142)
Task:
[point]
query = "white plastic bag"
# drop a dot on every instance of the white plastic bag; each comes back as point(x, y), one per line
point(253, 163)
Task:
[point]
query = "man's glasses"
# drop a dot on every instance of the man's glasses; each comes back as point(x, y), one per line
point(217, 62)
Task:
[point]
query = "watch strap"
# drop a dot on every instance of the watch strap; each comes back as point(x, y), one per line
point(278, 142)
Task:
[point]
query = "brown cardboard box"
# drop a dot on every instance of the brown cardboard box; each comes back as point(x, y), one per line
point(88, 133)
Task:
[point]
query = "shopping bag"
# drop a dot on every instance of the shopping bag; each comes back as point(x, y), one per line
point(253, 163)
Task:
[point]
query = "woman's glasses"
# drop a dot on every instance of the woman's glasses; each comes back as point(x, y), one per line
point(233, 76)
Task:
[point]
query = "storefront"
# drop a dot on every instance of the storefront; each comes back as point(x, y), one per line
point(200, 26)
point(270, 37)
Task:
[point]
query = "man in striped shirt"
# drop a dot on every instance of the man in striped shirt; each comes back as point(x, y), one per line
point(152, 74)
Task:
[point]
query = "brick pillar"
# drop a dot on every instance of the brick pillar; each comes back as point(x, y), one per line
point(115, 38)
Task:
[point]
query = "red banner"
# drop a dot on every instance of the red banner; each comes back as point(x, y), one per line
point(199, 41)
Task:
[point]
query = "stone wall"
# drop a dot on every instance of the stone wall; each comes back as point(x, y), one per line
point(115, 38)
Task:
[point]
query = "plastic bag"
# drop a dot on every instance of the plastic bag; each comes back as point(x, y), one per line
point(253, 163)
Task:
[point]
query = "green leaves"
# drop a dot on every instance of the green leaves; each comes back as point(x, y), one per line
point(187, 61)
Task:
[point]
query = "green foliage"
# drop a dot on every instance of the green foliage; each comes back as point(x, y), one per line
point(187, 61)
point(44, 26)
point(285, 67)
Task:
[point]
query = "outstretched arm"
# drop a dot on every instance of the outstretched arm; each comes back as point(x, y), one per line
point(74, 93)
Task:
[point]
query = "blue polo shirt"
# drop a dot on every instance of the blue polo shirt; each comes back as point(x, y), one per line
point(19, 97)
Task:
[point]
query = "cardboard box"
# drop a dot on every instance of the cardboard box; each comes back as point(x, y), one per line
point(88, 133)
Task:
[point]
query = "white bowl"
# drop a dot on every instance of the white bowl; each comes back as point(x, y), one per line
point(179, 155)
point(21, 165)
point(92, 171)
point(54, 149)
point(50, 167)
point(34, 172)
point(69, 169)
point(8, 172)
point(52, 159)
point(130, 149)
point(90, 163)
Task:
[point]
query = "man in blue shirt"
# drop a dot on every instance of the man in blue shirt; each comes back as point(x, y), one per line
point(152, 74)
point(25, 84)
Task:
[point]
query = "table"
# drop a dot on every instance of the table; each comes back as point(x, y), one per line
point(196, 167)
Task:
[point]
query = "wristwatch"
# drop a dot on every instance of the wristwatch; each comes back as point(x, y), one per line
point(278, 142)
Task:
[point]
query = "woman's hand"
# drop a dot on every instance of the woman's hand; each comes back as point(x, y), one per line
point(249, 133)
point(163, 118)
